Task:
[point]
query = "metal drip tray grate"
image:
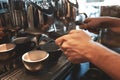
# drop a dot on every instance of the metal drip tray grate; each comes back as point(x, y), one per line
point(51, 71)
point(11, 64)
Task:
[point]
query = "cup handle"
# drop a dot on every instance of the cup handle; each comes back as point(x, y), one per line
point(79, 19)
point(84, 14)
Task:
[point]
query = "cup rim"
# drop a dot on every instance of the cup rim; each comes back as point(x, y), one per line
point(9, 48)
point(35, 60)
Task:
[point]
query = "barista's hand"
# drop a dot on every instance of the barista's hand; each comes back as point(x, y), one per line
point(93, 24)
point(75, 45)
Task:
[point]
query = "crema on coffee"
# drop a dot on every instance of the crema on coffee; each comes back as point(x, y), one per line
point(6, 47)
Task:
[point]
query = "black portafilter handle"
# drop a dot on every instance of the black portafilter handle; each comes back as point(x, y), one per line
point(78, 21)
point(54, 35)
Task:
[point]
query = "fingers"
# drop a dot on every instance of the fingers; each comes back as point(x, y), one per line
point(87, 20)
point(73, 56)
point(71, 37)
point(75, 31)
point(59, 41)
point(73, 60)
point(88, 23)
point(84, 26)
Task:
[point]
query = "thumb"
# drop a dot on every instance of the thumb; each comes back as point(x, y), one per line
point(83, 26)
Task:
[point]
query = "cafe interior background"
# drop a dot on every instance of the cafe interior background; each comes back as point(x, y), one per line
point(92, 8)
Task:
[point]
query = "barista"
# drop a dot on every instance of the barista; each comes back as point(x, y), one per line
point(79, 47)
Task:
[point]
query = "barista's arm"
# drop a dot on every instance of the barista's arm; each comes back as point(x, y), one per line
point(112, 23)
point(78, 47)
point(105, 59)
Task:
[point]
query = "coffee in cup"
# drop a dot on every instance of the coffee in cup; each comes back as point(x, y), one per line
point(34, 60)
point(6, 51)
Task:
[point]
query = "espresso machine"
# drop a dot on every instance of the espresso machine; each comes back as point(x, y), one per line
point(42, 16)
point(27, 18)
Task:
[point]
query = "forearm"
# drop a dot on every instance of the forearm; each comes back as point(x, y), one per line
point(105, 59)
point(112, 23)
point(115, 22)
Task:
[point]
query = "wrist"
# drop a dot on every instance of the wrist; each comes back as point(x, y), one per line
point(96, 52)
point(110, 23)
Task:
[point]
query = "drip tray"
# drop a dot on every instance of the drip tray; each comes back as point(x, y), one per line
point(51, 71)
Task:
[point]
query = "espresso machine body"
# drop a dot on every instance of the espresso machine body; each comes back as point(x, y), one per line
point(18, 13)
point(39, 17)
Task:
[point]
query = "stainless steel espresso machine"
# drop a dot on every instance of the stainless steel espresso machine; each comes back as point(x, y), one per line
point(41, 19)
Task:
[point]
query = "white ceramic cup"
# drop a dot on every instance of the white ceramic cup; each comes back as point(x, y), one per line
point(6, 51)
point(33, 60)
